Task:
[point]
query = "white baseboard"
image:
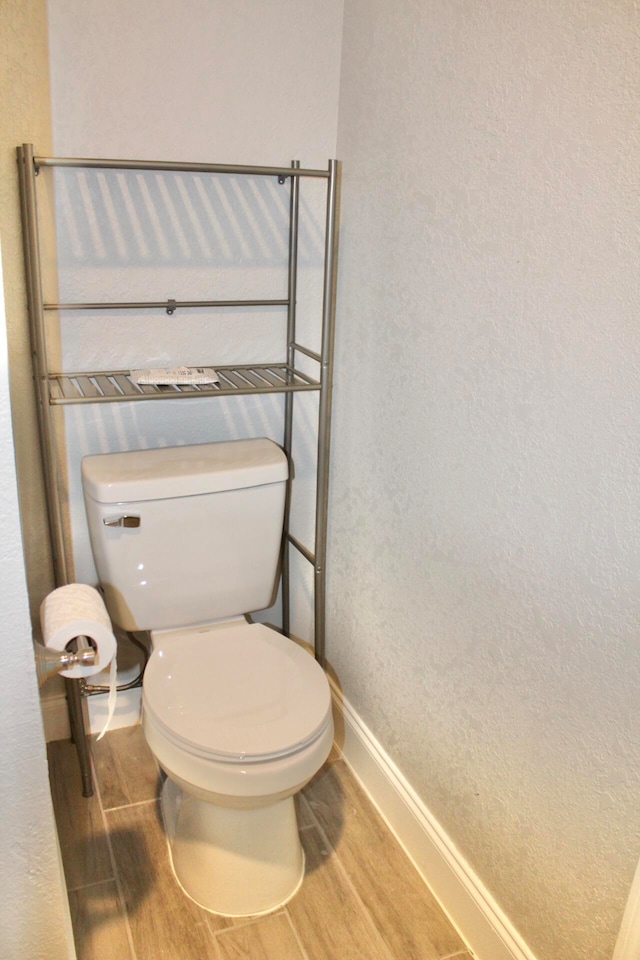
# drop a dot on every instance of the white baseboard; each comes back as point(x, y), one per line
point(55, 717)
point(472, 910)
point(126, 713)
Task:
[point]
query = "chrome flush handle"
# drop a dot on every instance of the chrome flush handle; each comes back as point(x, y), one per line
point(125, 521)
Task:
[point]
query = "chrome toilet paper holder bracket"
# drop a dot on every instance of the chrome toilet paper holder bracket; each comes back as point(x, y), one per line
point(80, 651)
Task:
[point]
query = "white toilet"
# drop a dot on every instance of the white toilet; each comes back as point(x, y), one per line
point(186, 540)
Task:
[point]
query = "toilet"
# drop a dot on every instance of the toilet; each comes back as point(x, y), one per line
point(186, 542)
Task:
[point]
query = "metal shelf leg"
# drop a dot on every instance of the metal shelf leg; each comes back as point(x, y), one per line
point(78, 734)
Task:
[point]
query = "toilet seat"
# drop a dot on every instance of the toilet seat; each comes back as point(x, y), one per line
point(238, 695)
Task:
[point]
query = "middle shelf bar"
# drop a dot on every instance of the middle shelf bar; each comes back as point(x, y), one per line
point(166, 304)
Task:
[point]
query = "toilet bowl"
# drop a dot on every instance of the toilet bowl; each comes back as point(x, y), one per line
point(237, 736)
point(186, 542)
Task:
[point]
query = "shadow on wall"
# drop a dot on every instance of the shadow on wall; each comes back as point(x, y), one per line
point(124, 236)
point(150, 218)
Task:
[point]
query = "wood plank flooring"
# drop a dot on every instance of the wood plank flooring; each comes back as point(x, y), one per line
point(361, 899)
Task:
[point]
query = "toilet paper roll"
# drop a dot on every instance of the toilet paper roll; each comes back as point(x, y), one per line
point(77, 610)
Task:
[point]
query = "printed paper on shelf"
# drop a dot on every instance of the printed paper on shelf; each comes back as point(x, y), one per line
point(177, 375)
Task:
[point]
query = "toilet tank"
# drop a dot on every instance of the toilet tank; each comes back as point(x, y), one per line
point(202, 534)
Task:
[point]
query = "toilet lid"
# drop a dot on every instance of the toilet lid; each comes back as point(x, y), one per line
point(240, 694)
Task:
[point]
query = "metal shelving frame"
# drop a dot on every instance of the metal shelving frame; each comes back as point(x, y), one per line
point(116, 386)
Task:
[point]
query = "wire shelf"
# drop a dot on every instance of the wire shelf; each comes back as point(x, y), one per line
point(109, 386)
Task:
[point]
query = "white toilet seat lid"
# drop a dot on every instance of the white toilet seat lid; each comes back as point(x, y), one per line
point(241, 694)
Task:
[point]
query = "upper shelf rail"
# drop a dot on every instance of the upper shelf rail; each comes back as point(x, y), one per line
point(169, 305)
point(240, 169)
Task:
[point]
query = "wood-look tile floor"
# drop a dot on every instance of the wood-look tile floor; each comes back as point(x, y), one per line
point(361, 898)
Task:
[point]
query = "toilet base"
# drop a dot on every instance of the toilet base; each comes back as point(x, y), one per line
point(234, 862)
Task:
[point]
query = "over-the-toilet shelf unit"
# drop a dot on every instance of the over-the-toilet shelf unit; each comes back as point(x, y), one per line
point(116, 386)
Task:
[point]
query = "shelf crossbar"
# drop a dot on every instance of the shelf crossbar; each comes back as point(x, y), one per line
point(300, 547)
point(308, 353)
point(168, 305)
point(180, 167)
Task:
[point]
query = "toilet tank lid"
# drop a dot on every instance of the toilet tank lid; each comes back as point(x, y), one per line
point(182, 471)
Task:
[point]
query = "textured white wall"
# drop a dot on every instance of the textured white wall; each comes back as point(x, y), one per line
point(485, 539)
point(25, 116)
point(34, 911)
point(199, 80)
point(243, 82)
point(35, 914)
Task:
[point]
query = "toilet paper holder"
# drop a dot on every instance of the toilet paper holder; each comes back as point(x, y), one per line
point(80, 650)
